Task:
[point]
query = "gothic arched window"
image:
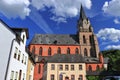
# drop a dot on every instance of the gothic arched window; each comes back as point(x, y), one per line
point(59, 50)
point(39, 68)
point(49, 51)
point(68, 50)
point(90, 39)
point(40, 51)
point(77, 51)
point(90, 68)
point(85, 52)
point(92, 52)
point(97, 68)
point(84, 40)
point(33, 49)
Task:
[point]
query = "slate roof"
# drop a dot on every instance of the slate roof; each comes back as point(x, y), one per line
point(66, 58)
point(91, 60)
point(55, 39)
point(82, 13)
point(18, 31)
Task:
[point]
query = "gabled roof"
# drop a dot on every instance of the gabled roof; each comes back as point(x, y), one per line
point(55, 39)
point(19, 30)
point(66, 58)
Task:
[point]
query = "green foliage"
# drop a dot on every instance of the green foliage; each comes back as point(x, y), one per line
point(92, 77)
point(114, 59)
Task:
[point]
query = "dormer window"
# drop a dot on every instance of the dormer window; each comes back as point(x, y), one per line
point(23, 38)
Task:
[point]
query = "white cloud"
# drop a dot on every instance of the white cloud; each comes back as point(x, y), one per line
point(62, 8)
point(111, 34)
point(113, 47)
point(58, 19)
point(116, 21)
point(15, 8)
point(112, 7)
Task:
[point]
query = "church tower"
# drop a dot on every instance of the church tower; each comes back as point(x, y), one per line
point(87, 39)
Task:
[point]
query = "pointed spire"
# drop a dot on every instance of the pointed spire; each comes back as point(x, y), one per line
point(82, 13)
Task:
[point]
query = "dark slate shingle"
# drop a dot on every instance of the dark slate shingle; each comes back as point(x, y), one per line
point(55, 39)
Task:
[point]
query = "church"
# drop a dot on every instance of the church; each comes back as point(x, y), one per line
point(67, 56)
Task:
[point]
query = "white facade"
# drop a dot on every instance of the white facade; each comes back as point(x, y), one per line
point(13, 58)
point(7, 37)
point(18, 60)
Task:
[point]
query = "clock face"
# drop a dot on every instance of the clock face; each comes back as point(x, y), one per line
point(86, 24)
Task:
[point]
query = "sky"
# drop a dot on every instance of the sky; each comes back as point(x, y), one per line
point(60, 17)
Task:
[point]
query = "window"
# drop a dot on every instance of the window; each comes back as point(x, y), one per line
point(12, 75)
point(85, 52)
point(30, 77)
point(77, 51)
point(40, 51)
point(59, 50)
point(39, 68)
point(66, 67)
point(49, 51)
point(52, 67)
point(91, 39)
point(23, 58)
point(80, 77)
point(80, 67)
point(16, 75)
point(72, 77)
point(52, 77)
point(15, 54)
point(90, 68)
point(19, 55)
point(92, 52)
point(97, 68)
point(68, 51)
point(84, 40)
point(72, 67)
point(20, 73)
point(61, 67)
point(33, 49)
point(23, 38)
point(60, 77)
point(23, 76)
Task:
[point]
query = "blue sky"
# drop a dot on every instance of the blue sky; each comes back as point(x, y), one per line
point(60, 17)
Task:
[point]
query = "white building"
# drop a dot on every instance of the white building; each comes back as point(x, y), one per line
point(14, 57)
point(6, 41)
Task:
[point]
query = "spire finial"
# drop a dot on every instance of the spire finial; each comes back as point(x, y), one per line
point(82, 13)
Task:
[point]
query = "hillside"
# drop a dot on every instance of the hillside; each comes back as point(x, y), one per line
point(114, 59)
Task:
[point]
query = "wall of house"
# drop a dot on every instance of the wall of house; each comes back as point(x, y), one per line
point(94, 66)
point(30, 70)
point(6, 39)
point(66, 73)
point(18, 62)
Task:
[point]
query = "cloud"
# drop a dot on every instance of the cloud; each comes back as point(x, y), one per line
point(112, 7)
point(113, 47)
point(116, 21)
point(15, 8)
point(111, 34)
point(58, 19)
point(62, 8)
